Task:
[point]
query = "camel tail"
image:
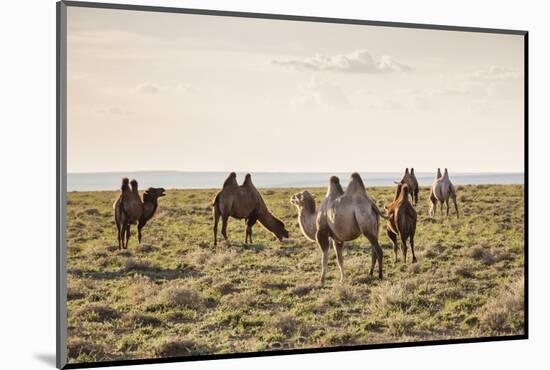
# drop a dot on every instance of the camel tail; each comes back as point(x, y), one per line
point(216, 202)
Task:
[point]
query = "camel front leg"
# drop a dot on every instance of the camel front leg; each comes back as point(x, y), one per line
point(323, 242)
point(433, 204)
point(338, 246)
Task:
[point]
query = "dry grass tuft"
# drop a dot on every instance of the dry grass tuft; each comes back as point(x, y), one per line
point(132, 264)
point(178, 346)
point(504, 313)
point(80, 346)
point(285, 323)
point(97, 312)
point(177, 296)
point(480, 253)
point(301, 290)
point(140, 319)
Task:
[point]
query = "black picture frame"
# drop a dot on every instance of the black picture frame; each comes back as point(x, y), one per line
point(61, 175)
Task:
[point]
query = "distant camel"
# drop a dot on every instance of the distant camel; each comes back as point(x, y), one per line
point(409, 178)
point(150, 205)
point(344, 216)
point(442, 189)
point(401, 221)
point(244, 202)
point(307, 214)
point(127, 209)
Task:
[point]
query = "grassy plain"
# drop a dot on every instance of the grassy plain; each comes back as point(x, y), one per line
point(176, 294)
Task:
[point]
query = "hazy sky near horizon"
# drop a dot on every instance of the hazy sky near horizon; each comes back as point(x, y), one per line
point(161, 91)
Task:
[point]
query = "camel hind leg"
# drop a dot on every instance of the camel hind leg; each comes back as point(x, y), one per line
point(376, 254)
point(216, 218)
point(338, 246)
point(433, 204)
point(127, 235)
point(453, 196)
point(118, 234)
point(411, 238)
point(224, 226)
point(393, 238)
point(447, 204)
point(416, 196)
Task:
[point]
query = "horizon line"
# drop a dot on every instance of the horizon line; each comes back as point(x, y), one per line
point(288, 172)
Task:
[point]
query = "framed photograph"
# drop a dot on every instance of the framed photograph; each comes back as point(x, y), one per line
point(234, 184)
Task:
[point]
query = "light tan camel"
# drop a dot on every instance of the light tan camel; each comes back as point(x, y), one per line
point(150, 205)
point(307, 214)
point(442, 189)
point(244, 202)
point(344, 216)
point(401, 222)
point(127, 209)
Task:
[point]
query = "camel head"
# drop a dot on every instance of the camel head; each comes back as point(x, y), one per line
point(303, 200)
point(278, 229)
point(134, 185)
point(153, 194)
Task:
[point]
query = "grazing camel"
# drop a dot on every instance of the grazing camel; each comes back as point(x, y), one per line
point(307, 214)
point(244, 202)
point(442, 189)
point(128, 209)
point(150, 205)
point(344, 216)
point(401, 221)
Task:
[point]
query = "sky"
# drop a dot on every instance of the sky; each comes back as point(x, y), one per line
point(160, 91)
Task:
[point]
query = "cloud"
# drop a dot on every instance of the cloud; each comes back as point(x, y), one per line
point(317, 93)
point(497, 73)
point(148, 88)
point(358, 61)
point(114, 111)
point(493, 83)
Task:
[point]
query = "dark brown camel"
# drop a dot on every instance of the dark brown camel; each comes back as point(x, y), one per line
point(244, 202)
point(409, 178)
point(130, 209)
point(401, 223)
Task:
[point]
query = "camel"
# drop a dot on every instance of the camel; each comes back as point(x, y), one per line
point(409, 178)
point(401, 221)
point(442, 189)
point(244, 202)
point(344, 216)
point(150, 205)
point(307, 214)
point(128, 209)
